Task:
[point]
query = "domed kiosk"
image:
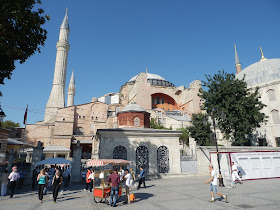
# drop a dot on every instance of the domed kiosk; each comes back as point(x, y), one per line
point(133, 115)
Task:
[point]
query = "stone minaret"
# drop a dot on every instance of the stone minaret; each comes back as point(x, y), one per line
point(57, 96)
point(71, 91)
point(237, 62)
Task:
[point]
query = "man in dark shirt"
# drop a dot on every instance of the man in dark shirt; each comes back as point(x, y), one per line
point(114, 180)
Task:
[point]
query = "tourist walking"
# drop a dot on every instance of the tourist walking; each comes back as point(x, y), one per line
point(22, 174)
point(234, 174)
point(34, 176)
point(142, 178)
point(88, 179)
point(4, 182)
point(56, 183)
point(114, 180)
point(47, 183)
point(128, 183)
point(132, 174)
point(83, 174)
point(121, 173)
point(13, 177)
point(91, 176)
point(213, 185)
point(42, 180)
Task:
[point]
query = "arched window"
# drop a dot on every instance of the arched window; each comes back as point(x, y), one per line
point(163, 159)
point(271, 95)
point(142, 159)
point(275, 116)
point(136, 121)
point(120, 152)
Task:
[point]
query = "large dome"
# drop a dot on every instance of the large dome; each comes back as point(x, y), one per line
point(261, 72)
point(154, 79)
point(149, 76)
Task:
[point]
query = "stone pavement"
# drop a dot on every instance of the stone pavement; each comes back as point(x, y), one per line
point(168, 193)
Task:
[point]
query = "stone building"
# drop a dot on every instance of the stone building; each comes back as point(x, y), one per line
point(63, 125)
point(156, 150)
point(265, 75)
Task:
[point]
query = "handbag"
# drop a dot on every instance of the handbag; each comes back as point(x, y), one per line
point(239, 174)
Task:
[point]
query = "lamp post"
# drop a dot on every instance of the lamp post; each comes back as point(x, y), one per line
point(221, 182)
point(2, 116)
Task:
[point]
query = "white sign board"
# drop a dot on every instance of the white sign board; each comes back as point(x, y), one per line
point(257, 165)
point(252, 165)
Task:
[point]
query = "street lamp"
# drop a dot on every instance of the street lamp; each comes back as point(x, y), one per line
point(223, 116)
point(2, 115)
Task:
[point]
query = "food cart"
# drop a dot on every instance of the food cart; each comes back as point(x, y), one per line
point(103, 191)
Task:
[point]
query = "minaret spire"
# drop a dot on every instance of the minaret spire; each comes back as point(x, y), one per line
point(237, 62)
point(57, 96)
point(71, 90)
point(146, 69)
point(263, 58)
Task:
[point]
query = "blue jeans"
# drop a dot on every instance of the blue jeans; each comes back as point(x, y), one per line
point(114, 190)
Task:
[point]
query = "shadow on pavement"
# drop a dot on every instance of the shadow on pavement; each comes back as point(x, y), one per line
point(142, 196)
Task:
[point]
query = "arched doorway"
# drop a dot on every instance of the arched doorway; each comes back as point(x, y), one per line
point(120, 152)
point(163, 159)
point(142, 159)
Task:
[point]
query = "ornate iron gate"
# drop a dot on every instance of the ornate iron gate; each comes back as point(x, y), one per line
point(163, 159)
point(142, 159)
point(120, 153)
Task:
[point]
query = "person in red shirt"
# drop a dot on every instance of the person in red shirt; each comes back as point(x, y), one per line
point(88, 179)
point(114, 180)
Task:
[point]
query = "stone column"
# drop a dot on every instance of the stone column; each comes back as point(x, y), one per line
point(37, 155)
point(11, 159)
point(76, 164)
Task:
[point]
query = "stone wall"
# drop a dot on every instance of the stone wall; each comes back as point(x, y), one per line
point(131, 140)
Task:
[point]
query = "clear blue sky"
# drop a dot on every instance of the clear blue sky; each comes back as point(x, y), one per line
point(114, 40)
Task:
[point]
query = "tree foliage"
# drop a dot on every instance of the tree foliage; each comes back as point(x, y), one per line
point(9, 124)
point(201, 130)
point(184, 138)
point(20, 33)
point(224, 93)
point(155, 125)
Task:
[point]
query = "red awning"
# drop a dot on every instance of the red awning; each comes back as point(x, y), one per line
point(103, 162)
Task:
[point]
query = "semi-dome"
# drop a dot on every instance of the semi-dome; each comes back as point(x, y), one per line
point(261, 72)
point(133, 108)
point(154, 79)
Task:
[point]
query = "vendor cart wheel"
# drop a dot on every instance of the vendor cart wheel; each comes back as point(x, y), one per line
point(107, 198)
point(98, 200)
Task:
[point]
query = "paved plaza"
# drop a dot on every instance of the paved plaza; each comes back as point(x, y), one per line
point(168, 193)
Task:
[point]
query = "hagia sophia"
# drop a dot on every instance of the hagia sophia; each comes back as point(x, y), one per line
point(117, 125)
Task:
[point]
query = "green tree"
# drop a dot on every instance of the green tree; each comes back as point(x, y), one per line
point(223, 93)
point(201, 131)
point(184, 138)
point(9, 124)
point(20, 33)
point(155, 125)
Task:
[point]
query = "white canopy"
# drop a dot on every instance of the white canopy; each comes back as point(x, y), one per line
point(53, 161)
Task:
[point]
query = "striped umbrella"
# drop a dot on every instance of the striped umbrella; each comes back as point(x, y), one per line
point(103, 162)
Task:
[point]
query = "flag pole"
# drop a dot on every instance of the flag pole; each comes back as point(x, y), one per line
point(24, 135)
